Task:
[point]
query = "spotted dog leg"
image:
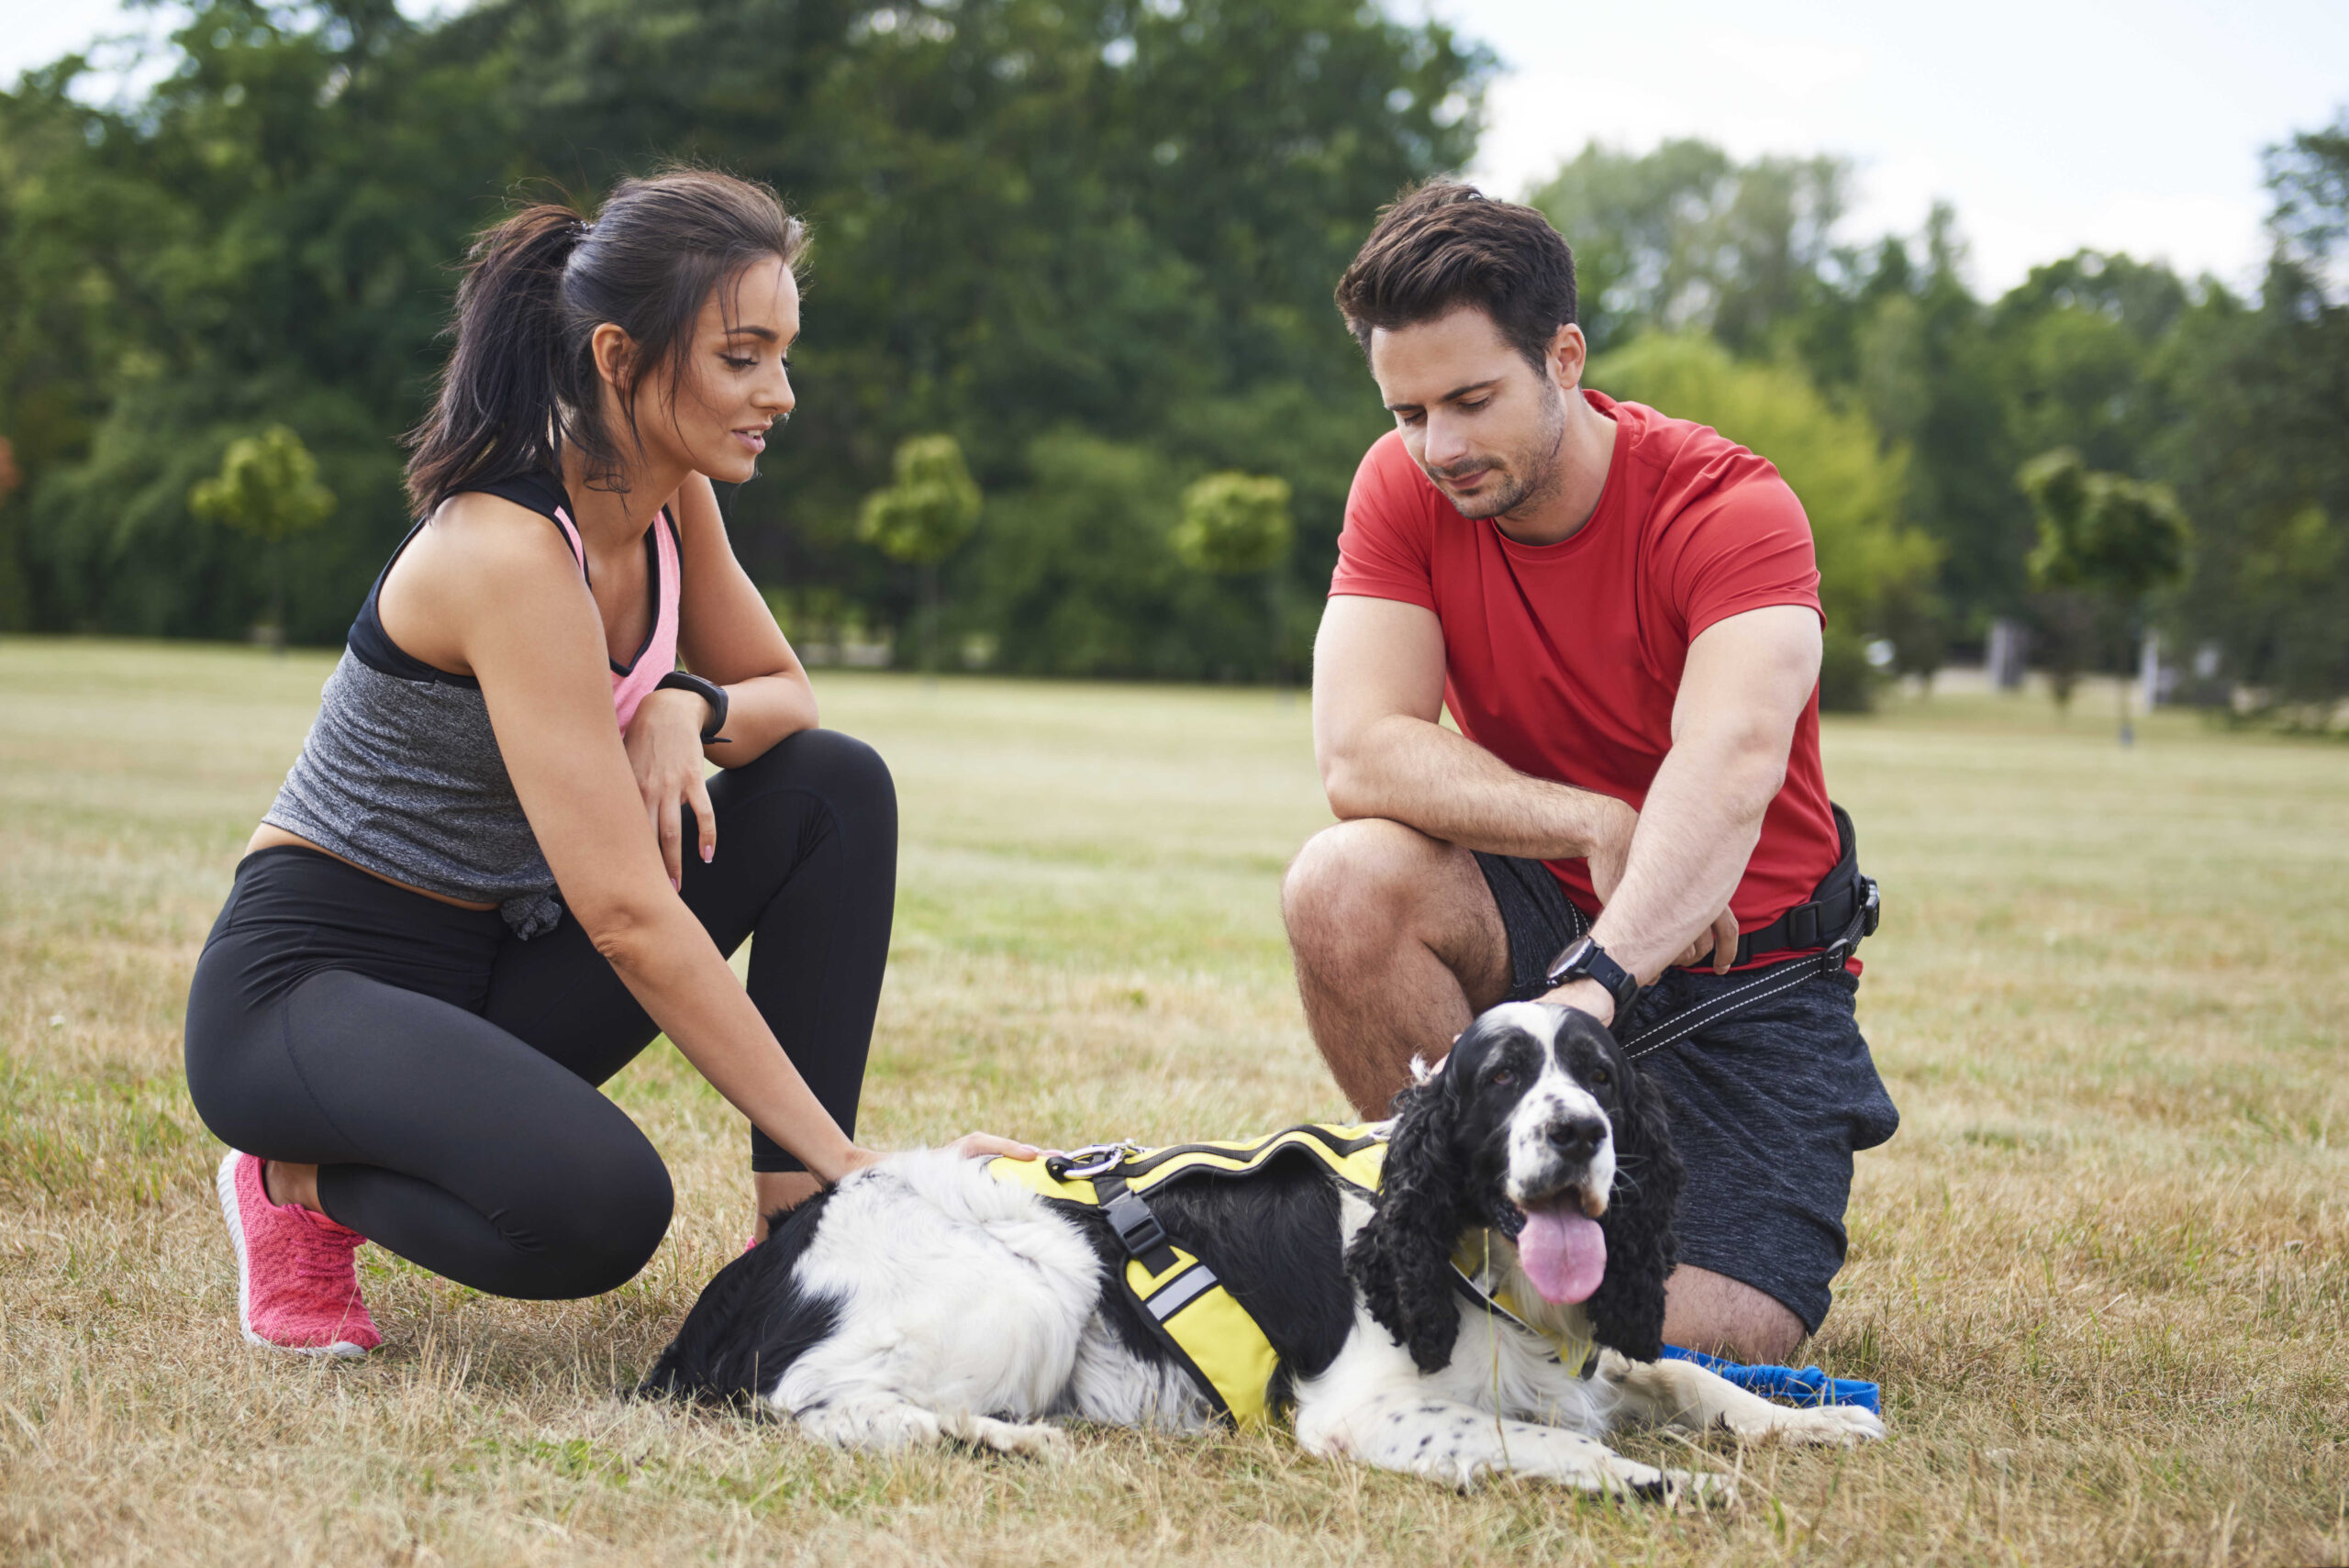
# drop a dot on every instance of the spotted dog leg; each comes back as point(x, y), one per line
point(878, 1421)
point(1457, 1444)
point(1686, 1396)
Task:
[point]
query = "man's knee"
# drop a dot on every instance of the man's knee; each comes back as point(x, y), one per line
point(1355, 879)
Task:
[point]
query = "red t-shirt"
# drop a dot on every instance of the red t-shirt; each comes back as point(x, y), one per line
point(1564, 660)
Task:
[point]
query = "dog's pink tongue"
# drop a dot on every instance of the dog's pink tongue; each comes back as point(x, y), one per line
point(1562, 1252)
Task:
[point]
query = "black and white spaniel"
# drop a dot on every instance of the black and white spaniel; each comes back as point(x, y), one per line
point(922, 1299)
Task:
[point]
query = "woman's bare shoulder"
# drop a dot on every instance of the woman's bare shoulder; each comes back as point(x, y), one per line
point(477, 545)
point(478, 556)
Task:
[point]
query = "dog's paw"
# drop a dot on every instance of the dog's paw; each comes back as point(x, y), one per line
point(1703, 1488)
point(1029, 1440)
point(1632, 1481)
point(1842, 1425)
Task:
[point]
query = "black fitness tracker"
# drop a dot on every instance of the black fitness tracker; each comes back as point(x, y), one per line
point(1585, 959)
point(709, 692)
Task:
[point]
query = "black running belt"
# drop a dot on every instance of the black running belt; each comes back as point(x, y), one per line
point(1834, 905)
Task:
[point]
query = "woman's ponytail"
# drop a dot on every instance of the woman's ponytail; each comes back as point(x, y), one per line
point(499, 408)
point(521, 386)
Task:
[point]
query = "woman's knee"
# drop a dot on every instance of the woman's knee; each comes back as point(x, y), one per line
point(602, 1225)
point(825, 760)
point(842, 771)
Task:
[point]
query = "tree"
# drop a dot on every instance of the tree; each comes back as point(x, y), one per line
point(923, 517)
point(1686, 238)
point(12, 591)
point(2260, 453)
point(1234, 524)
point(267, 489)
point(2104, 535)
point(1031, 218)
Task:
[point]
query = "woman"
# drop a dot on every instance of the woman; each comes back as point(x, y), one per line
point(477, 896)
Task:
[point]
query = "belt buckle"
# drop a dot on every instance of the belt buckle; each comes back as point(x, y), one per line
point(1864, 922)
point(1093, 1160)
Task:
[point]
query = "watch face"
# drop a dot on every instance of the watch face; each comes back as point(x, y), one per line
point(1576, 951)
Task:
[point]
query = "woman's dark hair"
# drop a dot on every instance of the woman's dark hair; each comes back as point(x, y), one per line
point(1445, 245)
point(522, 383)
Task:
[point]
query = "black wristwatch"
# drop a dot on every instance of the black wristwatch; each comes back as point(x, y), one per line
point(1585, 959)
point(709, 692)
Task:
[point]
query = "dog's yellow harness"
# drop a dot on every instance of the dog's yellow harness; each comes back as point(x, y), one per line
point(1212, 1335)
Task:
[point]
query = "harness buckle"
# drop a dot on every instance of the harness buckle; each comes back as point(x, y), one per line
point(1138, 1228)
point(1093, 1160)
point(1864, 922)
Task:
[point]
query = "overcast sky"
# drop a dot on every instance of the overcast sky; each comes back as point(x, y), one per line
point(2050, 125)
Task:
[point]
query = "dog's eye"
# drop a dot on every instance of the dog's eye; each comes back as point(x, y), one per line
point(1503, 1078)
point(1599, 1076)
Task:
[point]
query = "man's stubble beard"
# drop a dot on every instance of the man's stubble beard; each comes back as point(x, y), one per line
point(1535, 481)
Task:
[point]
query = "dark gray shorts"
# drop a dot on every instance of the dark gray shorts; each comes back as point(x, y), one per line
point(1766, 1108)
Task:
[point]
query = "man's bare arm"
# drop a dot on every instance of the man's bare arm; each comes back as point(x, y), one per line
point(1745, 684)
point(1377, 693)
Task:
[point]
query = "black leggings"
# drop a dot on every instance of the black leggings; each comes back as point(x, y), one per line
point(441, 1074)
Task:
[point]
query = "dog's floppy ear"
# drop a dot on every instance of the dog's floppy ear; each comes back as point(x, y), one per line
point(1627, 1310)
point(1402, 1259)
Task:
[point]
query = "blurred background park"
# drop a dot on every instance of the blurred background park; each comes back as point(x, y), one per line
point(1090, 243)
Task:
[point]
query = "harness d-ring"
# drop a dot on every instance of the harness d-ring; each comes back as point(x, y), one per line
point(1093, 1160)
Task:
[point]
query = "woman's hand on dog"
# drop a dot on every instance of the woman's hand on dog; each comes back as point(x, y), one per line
point(664, 751)
point(970, 1146)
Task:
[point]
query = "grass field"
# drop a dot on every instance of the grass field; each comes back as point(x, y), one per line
point(2101, 1272)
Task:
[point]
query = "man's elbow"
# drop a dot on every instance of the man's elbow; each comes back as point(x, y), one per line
point(1348, 790)
point(1758, 772)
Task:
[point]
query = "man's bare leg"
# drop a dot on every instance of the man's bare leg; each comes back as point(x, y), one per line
point(1398, 945)
point(1722, 1317)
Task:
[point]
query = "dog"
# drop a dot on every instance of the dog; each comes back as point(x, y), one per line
point(923, 1299)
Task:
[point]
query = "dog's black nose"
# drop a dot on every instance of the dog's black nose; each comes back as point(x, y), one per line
point(1578, 1139)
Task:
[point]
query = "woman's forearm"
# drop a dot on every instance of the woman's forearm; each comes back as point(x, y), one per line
point(670, 965)
point(762, 711)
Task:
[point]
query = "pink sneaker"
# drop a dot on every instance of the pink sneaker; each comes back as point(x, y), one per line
point(297, 1288)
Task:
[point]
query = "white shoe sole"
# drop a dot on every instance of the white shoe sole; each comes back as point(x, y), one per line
point(225, 1183)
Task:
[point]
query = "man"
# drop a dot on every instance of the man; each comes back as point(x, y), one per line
point(1621, 612)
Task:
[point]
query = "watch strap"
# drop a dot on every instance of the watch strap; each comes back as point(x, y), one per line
point(709, 692)
point(1584, 959)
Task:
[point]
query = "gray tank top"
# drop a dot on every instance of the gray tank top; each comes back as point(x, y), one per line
point(401, 772)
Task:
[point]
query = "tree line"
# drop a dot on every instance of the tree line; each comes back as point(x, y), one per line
point(1079, 252)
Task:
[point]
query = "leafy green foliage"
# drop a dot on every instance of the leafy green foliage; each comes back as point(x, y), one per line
point(267, 487)
point(1234, 523)
point(1030, 216)
point(931, 507)
point(2101, 532)
point(2101, 537)
point(1683, 238)
point(1092, 241)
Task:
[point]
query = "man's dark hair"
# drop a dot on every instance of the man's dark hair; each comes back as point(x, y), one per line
point(1445, 245)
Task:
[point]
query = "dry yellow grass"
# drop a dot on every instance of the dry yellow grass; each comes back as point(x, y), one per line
point(2099, 1273)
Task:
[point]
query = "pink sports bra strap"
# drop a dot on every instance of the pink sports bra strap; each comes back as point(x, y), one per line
point(632, 686)
point(570, 532)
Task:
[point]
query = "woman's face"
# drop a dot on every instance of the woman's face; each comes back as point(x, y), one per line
point(737, 380)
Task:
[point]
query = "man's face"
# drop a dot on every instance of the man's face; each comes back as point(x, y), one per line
point(1477, 418)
